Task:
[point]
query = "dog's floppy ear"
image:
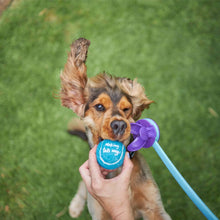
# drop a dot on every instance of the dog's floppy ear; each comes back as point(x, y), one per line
point(138, 98)
point(74, 78)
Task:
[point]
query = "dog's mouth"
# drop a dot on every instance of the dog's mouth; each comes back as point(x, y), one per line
point(124, 142)
point(100, 139)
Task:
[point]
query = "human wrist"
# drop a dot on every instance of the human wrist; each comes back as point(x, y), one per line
point(128, 215)
point(125, 212)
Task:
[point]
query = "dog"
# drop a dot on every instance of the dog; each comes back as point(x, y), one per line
point(106, 106)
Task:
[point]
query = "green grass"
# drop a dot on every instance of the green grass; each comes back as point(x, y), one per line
point(171, 46)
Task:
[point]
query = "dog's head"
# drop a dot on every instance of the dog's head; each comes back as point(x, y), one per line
point(106, 104)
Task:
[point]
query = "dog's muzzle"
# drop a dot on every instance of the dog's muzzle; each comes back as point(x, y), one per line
point(118, 127)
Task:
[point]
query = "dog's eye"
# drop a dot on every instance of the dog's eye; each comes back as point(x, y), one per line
point(100, 107)
point(125, 110)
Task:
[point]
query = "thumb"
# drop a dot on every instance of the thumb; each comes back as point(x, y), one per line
point(127, 168)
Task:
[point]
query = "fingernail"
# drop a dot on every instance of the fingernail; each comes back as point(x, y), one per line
point(128, 155)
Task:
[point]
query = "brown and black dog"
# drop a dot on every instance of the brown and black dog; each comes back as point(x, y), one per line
point(107, 105)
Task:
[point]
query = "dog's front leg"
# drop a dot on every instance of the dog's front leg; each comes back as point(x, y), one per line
point(96, 210)
point(77, 204)
point(151, 206)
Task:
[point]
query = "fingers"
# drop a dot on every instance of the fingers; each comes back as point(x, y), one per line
point(127, 168)
point(105, 171)
point(92, 175)
point(93, 165)
point(90, 170)
point(85, 173)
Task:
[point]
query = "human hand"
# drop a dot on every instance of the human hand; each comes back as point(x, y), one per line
point(112, 194)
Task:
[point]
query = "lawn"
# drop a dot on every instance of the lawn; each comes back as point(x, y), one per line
point(171, 46)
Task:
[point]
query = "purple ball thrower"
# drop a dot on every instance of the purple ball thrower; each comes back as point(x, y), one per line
point(146, 134)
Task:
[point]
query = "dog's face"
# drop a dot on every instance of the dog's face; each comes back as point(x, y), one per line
point(106, 104)
point(108, 111)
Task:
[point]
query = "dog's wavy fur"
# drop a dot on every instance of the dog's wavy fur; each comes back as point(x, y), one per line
point(107, 105)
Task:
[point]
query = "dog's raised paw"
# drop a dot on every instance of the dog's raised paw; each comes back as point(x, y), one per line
point(76, 206)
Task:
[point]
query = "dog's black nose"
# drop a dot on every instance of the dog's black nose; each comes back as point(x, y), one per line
point(118, 127)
